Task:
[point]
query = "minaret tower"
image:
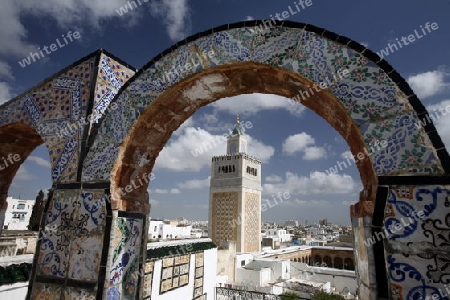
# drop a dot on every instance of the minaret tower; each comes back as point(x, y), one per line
point(235, 195)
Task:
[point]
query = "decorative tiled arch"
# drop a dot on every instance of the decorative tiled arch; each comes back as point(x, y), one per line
point(378, 101)
point(374, 103)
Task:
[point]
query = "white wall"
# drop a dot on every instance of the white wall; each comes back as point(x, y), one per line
point(16, 291)
point(210, 271)
point(338, 278)
point(253, 277)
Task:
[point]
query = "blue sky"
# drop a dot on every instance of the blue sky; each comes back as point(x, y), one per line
point(296, 145)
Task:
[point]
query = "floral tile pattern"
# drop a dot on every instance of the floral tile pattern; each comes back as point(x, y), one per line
point(367, 92)
point(126, 241)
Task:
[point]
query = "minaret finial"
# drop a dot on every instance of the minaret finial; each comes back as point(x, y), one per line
point(238, 121)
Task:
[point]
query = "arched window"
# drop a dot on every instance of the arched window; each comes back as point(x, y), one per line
point(338, 263)
point(234, 168)
point(348, 264)
point(317, 260)
point(327, 262)
point(218, 169)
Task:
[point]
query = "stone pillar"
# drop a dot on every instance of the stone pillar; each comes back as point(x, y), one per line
point(364, 258)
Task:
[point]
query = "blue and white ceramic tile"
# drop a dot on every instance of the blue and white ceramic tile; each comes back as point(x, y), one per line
point(85, 256)
point(411, 277)
point(91, 213)
point(53, 257)
point(403, 206)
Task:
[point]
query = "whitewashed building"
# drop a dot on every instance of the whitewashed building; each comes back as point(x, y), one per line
point(280, 235)
point(18, 213)
point(160, 230)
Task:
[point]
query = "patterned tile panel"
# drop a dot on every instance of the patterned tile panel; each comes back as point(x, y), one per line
point(111, 77)
point(366, 92)
point(126, 241)
point(72, 241)
point(46, 291)
point(413, 214)
point(417, 231)
point(408, 149)
point(85, 257)
point(409, 280)
point(78, 293)
point(100, 160)
point(56, 109)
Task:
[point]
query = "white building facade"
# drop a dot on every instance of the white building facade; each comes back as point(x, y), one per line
point(18, 213)
point(160, 230)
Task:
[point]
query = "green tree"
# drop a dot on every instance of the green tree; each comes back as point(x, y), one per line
point(36, 213)
point(325, 296)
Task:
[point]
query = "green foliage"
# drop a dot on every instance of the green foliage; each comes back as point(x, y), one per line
point(36, 213)
point(15, 273)
point(325, 296)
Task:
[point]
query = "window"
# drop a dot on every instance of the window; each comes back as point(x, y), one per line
point(155, 228)
point(242, 263)
point(21, 206)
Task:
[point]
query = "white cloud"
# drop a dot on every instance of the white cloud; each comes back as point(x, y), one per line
point(78, 14)
point(161, 191)
point(316, 183)
point(5, 71)
point(303, 142)
point(5, 93)
point(154, 202)
point(427, 84)
point(175, 191)
point(24, 174)
point(259, 149)
point(249, 18)
point(195, 183)
point(297, 142)
point(39, 161)
point(192, 150)
point(176, 16)
point(348, 203)
point(274, 178)
point(251, 104)
point(314, 153)
point(442, 123)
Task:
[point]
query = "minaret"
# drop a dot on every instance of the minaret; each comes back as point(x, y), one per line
point(235, 195)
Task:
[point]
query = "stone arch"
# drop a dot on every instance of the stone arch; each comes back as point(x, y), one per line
point(338, 263)
point(348, 264)
point(317, 260)
point(18, 140)
point(371, 105)
point(327, 260)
